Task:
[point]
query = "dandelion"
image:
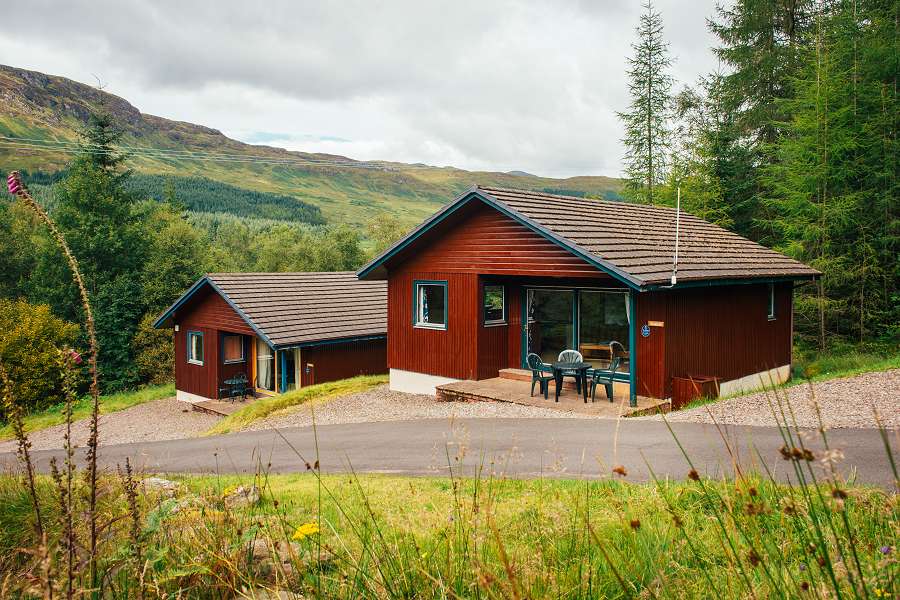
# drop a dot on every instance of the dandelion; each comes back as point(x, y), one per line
point(305, 530)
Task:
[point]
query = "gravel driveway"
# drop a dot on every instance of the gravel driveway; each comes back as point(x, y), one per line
point(166, 419)
point(845, 402)
point(381, 404)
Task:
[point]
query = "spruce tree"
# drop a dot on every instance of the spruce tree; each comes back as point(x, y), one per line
point(647, 118)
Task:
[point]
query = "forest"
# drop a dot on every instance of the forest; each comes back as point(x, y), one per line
point(793, 144)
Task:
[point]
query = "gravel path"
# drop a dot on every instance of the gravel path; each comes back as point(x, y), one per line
point(843, 402)
point(381, 404)
point(166, 419)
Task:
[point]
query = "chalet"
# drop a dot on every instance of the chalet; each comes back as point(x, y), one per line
point(280, 331)
point(498, 274)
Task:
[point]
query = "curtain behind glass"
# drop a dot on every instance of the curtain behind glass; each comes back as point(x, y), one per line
point(265, 363)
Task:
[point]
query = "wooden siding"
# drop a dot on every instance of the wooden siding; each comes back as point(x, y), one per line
point(191, 378)
point(723, 332)
point(341, 360)
point(209, 309)
point(482, 240)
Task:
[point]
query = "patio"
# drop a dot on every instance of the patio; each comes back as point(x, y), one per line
point(513, 386)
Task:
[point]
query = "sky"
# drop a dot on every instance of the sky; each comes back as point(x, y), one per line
point(482, 85)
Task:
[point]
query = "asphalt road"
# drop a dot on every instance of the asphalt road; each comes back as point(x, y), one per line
point(514, 447)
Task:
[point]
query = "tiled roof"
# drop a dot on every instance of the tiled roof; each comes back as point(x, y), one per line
point(298, 308)
point(639, 239)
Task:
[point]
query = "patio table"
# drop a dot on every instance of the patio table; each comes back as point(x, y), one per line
point(560, 367)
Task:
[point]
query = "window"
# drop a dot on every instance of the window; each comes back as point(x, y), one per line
point(431, 304)
point(265, 366)
point(771, 301)
point(494, 305)
point(232, 348)
point(195, 347)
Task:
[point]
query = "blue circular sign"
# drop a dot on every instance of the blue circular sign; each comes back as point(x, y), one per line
point(645, 330)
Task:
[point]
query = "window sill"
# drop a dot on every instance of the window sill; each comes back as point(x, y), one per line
point(495, 323)
point(772, 318)
point(199, 363)
point(234, 362)
point(429, 326)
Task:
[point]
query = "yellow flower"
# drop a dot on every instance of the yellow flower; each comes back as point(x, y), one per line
point(305, 530)
point(230, 490)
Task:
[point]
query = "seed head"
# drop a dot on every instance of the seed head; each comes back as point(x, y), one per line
point(620, 471)
point(635, 524)
point(693, 475)
point(804, 586)
point(753, 557)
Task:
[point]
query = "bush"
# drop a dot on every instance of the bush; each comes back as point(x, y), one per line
point(30, 341)
point(154, 352)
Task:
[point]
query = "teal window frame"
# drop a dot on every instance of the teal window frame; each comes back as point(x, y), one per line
point(190, 345)
point(494, 322)
point(419, 283)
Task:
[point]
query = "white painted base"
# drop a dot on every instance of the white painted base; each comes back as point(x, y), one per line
point(416, 383)
point(757, 381)
point(188, 397)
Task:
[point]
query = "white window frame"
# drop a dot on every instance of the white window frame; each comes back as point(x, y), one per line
point(771, 300)
point(190, 348)
point(418, 295)
point(502, 319)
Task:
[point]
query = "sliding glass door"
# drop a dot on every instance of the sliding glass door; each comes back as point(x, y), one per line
point(265, 366)
point(594, 322)
point(551, 322)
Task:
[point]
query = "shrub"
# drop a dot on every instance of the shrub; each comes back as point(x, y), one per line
point(154, 352)
point(30, 340)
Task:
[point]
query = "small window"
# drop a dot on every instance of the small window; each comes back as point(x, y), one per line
point(494, 305)
point(771, 301)
point(232, 348)
point(195, 347)
point(431, 304)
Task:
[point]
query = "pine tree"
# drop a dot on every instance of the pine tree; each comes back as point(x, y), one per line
point(647, 118)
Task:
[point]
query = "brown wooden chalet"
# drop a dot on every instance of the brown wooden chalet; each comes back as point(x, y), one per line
point(498, 274)
point(279, 330)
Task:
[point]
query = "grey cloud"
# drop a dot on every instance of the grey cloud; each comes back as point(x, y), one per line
point(498, 84)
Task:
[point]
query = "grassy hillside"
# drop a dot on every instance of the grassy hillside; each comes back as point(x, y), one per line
point(37, 109)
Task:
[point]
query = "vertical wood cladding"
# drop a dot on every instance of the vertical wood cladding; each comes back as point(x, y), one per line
point(339, 361)
point(476, 242)
point(723, 332)
point(191, 378)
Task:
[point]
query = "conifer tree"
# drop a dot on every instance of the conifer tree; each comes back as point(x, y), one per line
point(647, 118)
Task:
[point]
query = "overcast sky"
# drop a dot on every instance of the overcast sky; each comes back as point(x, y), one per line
point(484, 84)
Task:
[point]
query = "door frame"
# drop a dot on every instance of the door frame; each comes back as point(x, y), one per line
point(576, 327)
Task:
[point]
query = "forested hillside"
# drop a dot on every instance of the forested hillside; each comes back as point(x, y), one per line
point(40, 116)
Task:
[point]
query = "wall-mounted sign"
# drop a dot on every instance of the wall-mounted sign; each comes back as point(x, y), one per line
point(645, 330)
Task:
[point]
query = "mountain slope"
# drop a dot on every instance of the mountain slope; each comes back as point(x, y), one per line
point(36, 109)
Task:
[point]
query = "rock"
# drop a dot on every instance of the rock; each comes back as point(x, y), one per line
point(242, 496)
point(162, 485)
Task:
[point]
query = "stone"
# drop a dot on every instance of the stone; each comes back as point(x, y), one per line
point(162, 485)
point(242, 496)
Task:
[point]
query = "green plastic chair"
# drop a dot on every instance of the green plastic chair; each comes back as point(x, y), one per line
point(572, 356)
point(539, 374)
point(604, 378)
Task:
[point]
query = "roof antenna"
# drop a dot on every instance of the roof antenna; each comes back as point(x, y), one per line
point(677, 227)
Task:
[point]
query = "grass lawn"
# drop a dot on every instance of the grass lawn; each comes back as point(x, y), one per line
point(490, 537)
point(82, 409)
point(265, 407)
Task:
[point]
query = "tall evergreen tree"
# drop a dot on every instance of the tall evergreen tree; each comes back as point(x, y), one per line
point(95, 212)
point(647, 118)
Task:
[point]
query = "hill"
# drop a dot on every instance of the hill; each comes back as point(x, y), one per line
point(37, 110)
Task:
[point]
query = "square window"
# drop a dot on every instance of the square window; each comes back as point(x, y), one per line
point(771, 301)
point(232, 348)
point(431, 304)
point(494, 305)
point(195, 347)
